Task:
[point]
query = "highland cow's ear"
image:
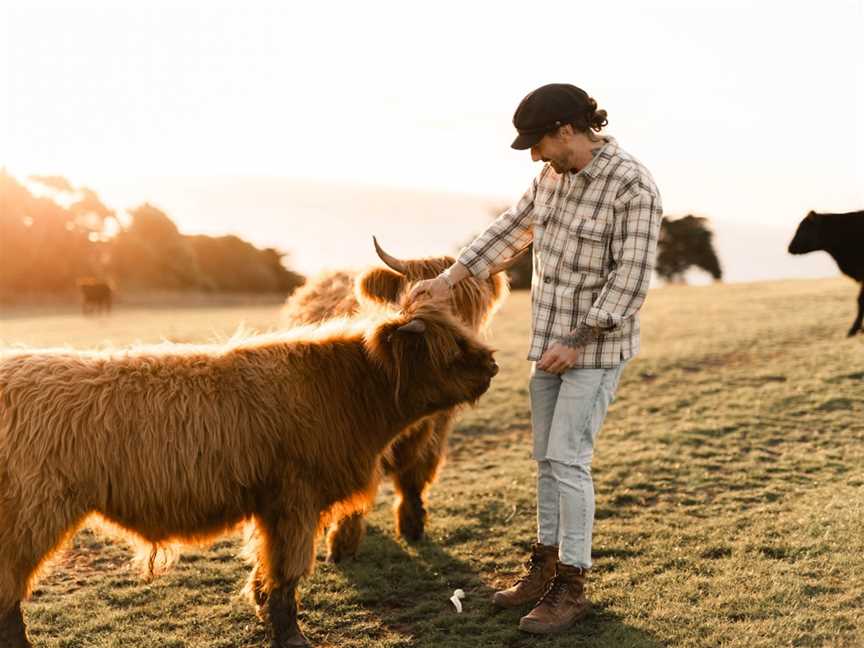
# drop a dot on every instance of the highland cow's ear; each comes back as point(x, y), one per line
point(379, 285)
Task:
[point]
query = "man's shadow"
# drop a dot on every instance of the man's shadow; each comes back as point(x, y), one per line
point(407, 588)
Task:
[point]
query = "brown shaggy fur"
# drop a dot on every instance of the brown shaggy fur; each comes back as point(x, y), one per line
point(414, 460)
point(329, 295)
point(181, 442)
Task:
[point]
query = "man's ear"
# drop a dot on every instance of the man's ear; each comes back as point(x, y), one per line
point(379, 285)
point(565, 131)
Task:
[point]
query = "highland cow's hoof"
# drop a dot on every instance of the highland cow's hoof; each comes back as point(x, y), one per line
point(411, 519)
point(295, 641)
point(13, 634)
point(282, 611)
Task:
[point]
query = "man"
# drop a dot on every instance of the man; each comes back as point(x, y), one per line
point(593, 214)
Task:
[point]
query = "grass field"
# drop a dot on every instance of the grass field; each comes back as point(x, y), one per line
point(730, 498)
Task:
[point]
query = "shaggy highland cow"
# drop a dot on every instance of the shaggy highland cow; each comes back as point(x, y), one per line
point(415, 457)
point(181, 443)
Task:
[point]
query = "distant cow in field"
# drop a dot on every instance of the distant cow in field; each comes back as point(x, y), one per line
point(184, 442)
point(415, 458)
point(841, 236)
point(95, 296)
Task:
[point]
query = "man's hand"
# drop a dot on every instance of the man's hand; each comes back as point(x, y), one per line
point(436, 288)
point(559, 358)
point(439, 287)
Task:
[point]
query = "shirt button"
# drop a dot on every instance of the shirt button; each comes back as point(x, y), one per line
point(547, 280)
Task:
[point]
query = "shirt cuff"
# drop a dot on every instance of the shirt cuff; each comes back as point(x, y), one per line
point(600, 320)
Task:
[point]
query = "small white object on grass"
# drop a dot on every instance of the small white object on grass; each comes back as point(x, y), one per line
point(456, 599)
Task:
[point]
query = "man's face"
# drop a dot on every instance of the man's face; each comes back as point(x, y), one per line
point(553, 150)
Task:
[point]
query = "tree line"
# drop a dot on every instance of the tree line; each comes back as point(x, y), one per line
point(48, 243)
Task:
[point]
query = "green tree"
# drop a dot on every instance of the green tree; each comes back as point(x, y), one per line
point(42, 250)
point(686, 242)
point(229, 263)
point(151, 253)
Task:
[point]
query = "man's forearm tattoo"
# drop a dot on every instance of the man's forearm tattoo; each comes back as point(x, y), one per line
point(579, 337)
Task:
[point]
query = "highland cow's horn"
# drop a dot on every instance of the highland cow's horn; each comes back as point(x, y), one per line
point(396, 264)
point(509, 263)
point(416, 325)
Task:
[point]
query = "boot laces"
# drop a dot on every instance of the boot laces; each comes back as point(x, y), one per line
point(534, 565)
point(556, 589)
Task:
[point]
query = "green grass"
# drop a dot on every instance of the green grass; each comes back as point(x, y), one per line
point(730, 498)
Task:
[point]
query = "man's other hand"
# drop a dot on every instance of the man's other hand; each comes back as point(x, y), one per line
point(559, 358)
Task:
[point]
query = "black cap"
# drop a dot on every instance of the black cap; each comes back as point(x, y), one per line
point(547, 108)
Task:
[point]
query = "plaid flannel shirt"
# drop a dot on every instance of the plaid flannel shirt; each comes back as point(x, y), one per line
point(595, 241)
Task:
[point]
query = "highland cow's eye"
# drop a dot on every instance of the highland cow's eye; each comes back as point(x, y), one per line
point(464, 347)
point(416, 325)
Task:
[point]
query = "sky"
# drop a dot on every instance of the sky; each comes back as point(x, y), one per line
point(745, 112)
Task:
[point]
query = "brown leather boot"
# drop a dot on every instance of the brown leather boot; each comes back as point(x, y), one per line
point(529, 588)
point(562, 605)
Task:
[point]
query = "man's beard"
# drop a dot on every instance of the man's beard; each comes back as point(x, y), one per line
point(560, 167)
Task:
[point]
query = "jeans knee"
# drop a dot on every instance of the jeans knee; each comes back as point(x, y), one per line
point(569, 473)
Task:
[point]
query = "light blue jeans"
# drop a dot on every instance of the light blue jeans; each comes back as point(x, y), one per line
point(567, 412)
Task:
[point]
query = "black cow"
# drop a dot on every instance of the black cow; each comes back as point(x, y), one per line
point(841, 236)
point(95, 296)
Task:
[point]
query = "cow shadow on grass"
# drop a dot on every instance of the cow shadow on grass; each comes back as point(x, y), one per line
point(405, 590)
